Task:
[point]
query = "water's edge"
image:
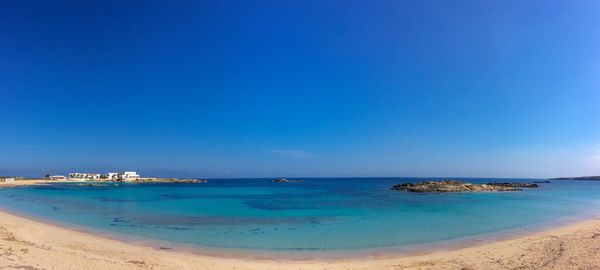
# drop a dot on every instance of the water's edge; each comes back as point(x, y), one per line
point(325, 255)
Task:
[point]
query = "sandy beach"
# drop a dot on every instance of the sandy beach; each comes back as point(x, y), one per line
point(29, 244)
point(27, 183)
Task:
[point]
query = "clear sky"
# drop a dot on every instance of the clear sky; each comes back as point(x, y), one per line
point(300, 88)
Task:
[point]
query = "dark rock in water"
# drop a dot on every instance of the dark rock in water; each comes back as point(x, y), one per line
point(459, 186)
point(514, 185)
point(191, 181)
point(283, 180)
point(542, 182)
point(94, 185)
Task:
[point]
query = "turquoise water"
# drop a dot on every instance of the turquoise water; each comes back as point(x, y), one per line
point(330, 214)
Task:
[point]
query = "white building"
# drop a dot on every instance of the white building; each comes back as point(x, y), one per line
point(57, 177)
point(76, 176)
point(9, 180)
point(125, 176)
point(129, 176)
point(112, 176)
point(84, 176)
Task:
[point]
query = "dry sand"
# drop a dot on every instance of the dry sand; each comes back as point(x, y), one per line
point(26, 183)
point(28, 244)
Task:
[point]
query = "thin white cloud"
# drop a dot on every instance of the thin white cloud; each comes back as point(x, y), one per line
point(291, 153)
point(591, 160)
point(594, 157)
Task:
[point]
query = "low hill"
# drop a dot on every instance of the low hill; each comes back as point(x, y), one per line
point(577, 178)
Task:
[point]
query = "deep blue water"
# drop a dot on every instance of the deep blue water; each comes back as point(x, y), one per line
point(329, 214)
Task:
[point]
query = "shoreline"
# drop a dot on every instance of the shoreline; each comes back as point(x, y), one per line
point(33, 182)
point(317, 256)
point(29, 242)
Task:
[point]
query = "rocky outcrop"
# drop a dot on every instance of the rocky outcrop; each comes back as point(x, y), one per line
point(459, 186)
point(283, 180)
point(169, 180)
point(513, 185)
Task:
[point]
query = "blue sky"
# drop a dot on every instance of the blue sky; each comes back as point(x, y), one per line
point(300, 88)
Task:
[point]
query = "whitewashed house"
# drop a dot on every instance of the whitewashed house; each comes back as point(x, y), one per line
point(77, 176)
point(9, 179)
point(130, 176)
point(57, 177)
point(84, 176)
point(124, 176)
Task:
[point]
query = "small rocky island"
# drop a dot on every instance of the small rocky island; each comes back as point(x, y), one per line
point(459, 186)
point(284, 180)
point(542, 182)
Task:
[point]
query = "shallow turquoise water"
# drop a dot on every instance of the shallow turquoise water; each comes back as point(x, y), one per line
point(330, 214)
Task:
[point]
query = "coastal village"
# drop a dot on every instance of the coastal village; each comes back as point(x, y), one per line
point(127, 176)
point(111, 176)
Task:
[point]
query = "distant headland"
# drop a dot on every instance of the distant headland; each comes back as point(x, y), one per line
point(577, 178)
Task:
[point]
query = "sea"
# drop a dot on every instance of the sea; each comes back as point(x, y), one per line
point(315, 216)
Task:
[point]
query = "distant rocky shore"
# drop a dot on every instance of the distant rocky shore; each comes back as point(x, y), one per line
point(577, 178)
point(151, 180)
point(459, 186)
point(168, 180)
